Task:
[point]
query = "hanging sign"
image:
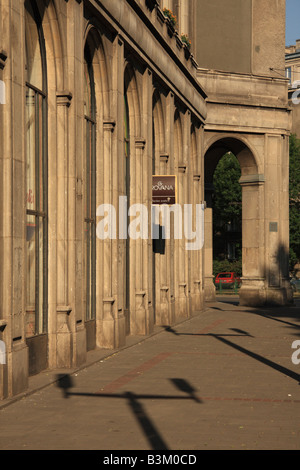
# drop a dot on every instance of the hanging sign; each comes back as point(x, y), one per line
point(164, 189)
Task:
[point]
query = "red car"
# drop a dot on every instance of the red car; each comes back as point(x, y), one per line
point(227, 279)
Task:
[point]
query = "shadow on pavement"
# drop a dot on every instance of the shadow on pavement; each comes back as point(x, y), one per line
point(149, 429)
point(258, 357)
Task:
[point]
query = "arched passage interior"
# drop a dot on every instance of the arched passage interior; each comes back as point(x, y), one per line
point(253, 268)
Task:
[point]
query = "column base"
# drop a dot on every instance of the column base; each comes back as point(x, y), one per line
point(261, 296)
point(79, 346)
point(111, 333)
point(141, 316)
point(17, 370)
point(209, 289)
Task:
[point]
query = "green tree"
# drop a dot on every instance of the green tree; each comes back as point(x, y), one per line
point(227, 207)
point(294, 195)
point(227, 190)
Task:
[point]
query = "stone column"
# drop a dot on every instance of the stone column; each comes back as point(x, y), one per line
point(276, 220)
point(162, 260)
point(110, 324)
point(4, 337)
point(209, 287)
point(12, 219)
point(253, 291)
point(265, 229)
point(195, 256)
point(110, 320)
point(197, 197)
point(167, 286)
point(139, 292)
point(184, 11)
point(184, 260)
point(63, 329)
point(149, 263)
point(74, 82)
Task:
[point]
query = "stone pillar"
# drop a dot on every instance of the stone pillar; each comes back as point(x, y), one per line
point(209, 287)
point(110, 319)
point(181, 267)
point(197, 197)
point(184, 11)
point(265, 230)
point(12, 219)
point(162, 260)
point(165, 262)
point(182, 255)
point(253, 291)
point(276, 220)
point(74, 82)
point(195, 256)
point(144, 296)
point(139, 301)
point(63, 327)
point(3, 320)
point(168, 289)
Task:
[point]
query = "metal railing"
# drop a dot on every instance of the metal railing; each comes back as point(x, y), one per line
point(220, 286)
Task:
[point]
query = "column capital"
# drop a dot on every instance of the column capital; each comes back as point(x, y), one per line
point(252, 180)
point(140, 143)
point(109, 125)
point(63, 98)
point(182, 167)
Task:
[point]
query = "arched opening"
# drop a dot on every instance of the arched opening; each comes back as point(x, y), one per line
point(227, 149)
point(227, 217)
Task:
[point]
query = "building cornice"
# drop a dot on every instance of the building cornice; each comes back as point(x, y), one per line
point(148, 37)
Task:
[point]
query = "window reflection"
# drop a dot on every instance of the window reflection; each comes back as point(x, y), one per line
point(36, 176)
point(90, 186)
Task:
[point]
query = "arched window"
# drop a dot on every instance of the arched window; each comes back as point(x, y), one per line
point(90, 184)
point(36, 172)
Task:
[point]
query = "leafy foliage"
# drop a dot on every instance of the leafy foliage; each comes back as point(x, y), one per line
point(228, 192)
point(186, 40)
point(227, 207)
point(169, 14)
point(294, 194)
point(221, 266)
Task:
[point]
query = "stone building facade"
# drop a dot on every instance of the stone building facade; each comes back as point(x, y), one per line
point(100, 96)
point(292, 73)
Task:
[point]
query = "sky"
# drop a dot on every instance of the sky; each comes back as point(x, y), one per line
point(292, 21)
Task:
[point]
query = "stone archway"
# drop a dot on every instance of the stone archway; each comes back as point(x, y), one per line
point(265, 245)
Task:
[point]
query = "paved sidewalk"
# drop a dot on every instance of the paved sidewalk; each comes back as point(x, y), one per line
point(223, 379)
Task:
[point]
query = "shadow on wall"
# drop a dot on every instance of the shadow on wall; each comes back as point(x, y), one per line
point(277, 274)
